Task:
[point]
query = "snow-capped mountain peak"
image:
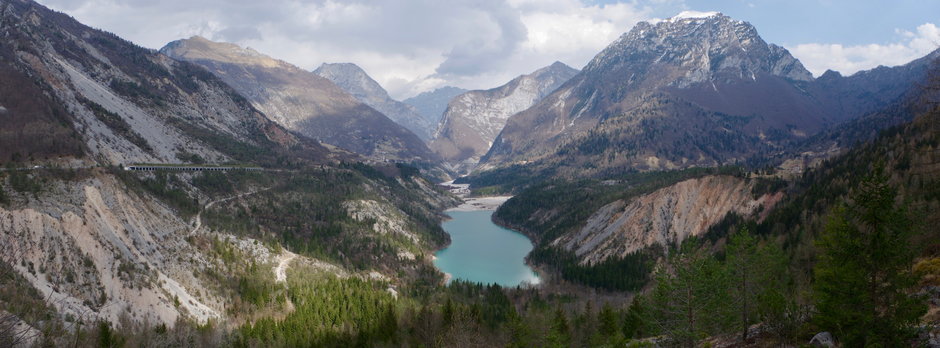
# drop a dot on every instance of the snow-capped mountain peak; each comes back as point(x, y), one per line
point(694, 15)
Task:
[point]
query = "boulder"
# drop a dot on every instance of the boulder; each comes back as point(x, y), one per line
point(823, 339)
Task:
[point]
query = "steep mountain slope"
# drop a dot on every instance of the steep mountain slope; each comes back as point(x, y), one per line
point(880, 86)
point(432, 104)
point(92, 247)
point(475, 118)
point(589, 229)
point(125, 103)
point(688, 91)
point(99, 243)
point(665, 217)
point(303, 101)
point(351, 78)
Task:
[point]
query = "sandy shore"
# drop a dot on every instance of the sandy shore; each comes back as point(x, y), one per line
point(481, 203)
point(473, 203)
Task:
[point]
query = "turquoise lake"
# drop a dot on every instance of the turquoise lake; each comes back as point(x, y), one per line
point(481, 251)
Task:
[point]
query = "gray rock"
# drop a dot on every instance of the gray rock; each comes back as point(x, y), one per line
point(823, 339)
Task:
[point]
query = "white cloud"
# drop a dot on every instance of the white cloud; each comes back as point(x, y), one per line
point(408, 46)
point(850, 59)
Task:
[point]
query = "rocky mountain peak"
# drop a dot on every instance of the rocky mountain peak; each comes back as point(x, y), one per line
point(474, 119)
point(695, 47)
point(351, 78)
point(200, 48)
point(432, 104)
point(551, 77)
point(303, 101)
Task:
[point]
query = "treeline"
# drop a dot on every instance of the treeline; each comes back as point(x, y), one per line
point(164, 186)
point(572, 202)
point(863, 288)
point(306, 212)
point(548, 210)
point(627, 273)
point(35, 125)
point(863, 294)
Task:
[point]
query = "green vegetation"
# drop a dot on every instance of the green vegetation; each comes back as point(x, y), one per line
point(23, 182)
point(4, 198)
point(306, 211)
point(327, 312)
point(547, 210)
point(165, 186)
point(864, 279)
point(627, 273)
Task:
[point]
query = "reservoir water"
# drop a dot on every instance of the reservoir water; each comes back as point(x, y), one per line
point(481, 251)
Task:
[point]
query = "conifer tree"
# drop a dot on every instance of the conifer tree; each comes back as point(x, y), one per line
point(688, 294)
point(559, 335)
point(756, 281)
point(519, 332)
point(863, 276)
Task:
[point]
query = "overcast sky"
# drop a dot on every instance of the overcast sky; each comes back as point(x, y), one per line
point(411, 46)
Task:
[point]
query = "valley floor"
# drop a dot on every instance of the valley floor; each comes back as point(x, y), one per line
point(481, 203)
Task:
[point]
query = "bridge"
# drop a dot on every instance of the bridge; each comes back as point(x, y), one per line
point(190, 168)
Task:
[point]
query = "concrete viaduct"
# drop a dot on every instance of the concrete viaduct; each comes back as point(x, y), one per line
point(190, 168)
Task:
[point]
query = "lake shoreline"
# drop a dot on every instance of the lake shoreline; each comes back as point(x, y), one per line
point(478, 204)
point(485, 237)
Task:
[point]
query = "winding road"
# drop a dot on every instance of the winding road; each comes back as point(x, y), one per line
point(283, 260)
point(198, 219)
point(280, 272)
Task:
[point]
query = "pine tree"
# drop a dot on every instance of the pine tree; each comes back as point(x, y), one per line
point(388, 327)
point(863, 276)
point(607, 319)
point(560, 334)
point(519, 332)
point(636, 321)
point(688, 295)
point(447, 313)
point(757, 281)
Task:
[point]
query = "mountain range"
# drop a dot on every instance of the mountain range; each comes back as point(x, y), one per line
point(688, 91)
point(85, 239)
point(432, 104)
point(473, 119)
point(351, 78)
point(287, 207)
point(303, 101)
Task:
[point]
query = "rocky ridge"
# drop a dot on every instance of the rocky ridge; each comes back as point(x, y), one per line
point(351, 78)
point(673, 81)
point(303, 101)
point(432, 104)
point(474, 119)
point(99, 243)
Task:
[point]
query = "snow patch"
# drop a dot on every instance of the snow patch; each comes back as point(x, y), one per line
point(693, 15)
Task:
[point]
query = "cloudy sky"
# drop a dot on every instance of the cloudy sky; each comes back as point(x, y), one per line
point(410, 46)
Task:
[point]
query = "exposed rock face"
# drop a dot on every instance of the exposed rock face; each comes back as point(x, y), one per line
point(94, 245)
point(351, 78)
point(72, 91)
point(97, 251)
point(432, 104)
point(666, 216)
point(688, 91)
point(474, 119)
point(388, 219)
point(303, 101)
